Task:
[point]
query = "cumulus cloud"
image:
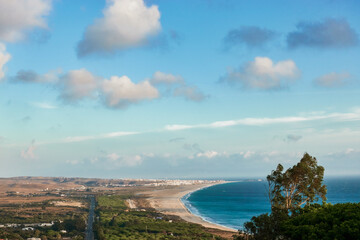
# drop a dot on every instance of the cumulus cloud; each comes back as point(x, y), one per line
point(77, 84)
point(333, 79)
point(4, 58)
point(165, 78)
point(208, 154)
point(125, 24)
point(251, 36)
point(330, 33)
point(263, 73)
point(116, 160)
point(28, 76)
point(29, 152)
point(111, 161)
point(116, 92)
point(344, 162)
point(74, 85)
point(247, 154)
point(121, 91)
point(19, 16)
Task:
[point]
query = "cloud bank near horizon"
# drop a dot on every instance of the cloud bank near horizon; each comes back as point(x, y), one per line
point(334, 117)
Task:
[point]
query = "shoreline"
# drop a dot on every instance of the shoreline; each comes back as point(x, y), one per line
point(205, 220)
point(169, 201)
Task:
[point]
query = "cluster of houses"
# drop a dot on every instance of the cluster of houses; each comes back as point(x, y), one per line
point(177, 182)
point(26, 226)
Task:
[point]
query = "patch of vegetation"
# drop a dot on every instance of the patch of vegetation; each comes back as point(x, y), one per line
point(118, 222)
point(73, 228)
point(339, 221)
point(28, 217)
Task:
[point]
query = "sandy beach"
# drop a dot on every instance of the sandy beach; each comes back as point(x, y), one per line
point(168, 201)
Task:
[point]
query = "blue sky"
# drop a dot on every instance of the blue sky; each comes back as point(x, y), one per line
point(170, 88)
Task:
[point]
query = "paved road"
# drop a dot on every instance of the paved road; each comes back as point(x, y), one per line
point(89, 234)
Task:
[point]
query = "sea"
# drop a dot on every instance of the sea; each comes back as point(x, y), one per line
point(232, 204)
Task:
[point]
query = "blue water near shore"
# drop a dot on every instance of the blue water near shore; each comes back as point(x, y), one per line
point(232, 204)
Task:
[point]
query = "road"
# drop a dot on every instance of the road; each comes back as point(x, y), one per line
point(89, 233)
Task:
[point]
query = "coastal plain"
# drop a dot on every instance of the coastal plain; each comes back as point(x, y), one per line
point(61, 199)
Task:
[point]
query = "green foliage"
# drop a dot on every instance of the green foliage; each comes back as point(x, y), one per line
point(71, 221)
point(298, 185)
point(116, 223)
point(339, 221)
point(265, 226)
point(112, 202)
point(33, 213)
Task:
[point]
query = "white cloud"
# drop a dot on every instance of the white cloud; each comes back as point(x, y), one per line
point(332, 80)
point(29, 152)
point(342, 162)
point(335, 117)
point(78, 84)
point(208, 154)
point(126, 23)
point(349, 151)
point(19, 16)
point(121, 91)
point(165, 78)
point(113, 157)
point(116, 92)
point(351, 116)
point(4, 58)
point(115, 160)
point(95, 137)
point(247, 154)
point(263, 73)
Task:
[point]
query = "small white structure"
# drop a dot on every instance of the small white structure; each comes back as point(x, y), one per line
point(28, 229)
point(45, 224)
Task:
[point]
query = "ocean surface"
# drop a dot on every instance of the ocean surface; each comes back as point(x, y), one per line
point(232, 204)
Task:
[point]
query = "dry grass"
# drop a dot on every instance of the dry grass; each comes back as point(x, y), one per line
point(20, 200)
point(67, 203)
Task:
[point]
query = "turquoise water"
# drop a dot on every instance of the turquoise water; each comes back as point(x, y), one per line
point(232, 204)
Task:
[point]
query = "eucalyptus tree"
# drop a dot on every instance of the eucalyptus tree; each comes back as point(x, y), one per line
point(299, 185)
